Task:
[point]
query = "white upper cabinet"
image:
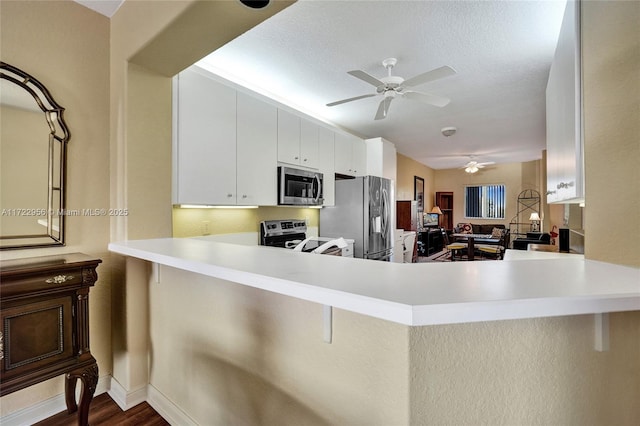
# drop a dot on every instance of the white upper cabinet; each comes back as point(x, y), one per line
point(359, 159)
point(257, 150)
point(351, 155)
point(204, 146)
point(225, 144)
point(565, 160)
point(309, 150)
point(381, 158)
point(326, 164)
point(297, 140)
point(288, 137)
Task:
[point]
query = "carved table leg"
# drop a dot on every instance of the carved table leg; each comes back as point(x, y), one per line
point(89, 377)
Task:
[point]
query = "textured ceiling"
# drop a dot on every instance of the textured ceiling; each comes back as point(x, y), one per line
point(501, 50)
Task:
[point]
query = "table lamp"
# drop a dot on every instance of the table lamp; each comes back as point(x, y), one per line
point(535, 222)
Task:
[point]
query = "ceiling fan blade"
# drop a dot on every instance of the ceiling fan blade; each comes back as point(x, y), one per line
point(439, 101)
point(435, 74)
point(383, 108)
point(350, 99)
point(366, 77)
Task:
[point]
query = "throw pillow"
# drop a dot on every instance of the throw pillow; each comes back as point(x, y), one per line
point(496, 233)
point(465, 228)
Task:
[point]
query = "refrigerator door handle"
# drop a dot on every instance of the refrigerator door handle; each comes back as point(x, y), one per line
point(386, 256)
point(385, 214)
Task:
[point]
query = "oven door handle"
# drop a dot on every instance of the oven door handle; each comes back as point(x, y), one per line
point(301, 245)
point(339, 242)
point(291, 244)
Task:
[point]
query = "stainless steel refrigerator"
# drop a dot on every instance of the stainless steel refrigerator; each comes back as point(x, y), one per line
point(363, 212)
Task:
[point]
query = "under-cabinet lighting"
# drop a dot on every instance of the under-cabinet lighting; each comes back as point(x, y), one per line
point(204, 206)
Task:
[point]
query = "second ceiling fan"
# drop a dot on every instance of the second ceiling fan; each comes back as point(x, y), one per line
point(392, 86)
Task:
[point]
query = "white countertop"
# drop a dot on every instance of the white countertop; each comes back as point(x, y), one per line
point(411, 294)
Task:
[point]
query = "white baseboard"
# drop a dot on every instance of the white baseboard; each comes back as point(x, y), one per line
point(48, 407)
point(167, 409)
point(126, 399)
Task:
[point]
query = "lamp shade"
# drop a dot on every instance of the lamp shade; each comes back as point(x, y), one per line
point(436, 210)
point(534, 216)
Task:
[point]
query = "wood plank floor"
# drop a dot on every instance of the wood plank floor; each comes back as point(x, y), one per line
point(104, 411)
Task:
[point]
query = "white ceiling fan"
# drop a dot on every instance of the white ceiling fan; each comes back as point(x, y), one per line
point(391, 86)
point(473, 166)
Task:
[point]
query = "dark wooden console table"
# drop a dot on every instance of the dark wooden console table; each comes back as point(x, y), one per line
point(45, 325)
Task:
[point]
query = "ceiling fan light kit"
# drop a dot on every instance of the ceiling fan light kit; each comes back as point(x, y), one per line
point(393, 86)
point(473, 166)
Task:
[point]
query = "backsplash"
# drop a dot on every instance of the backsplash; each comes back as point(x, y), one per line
point(193, 222)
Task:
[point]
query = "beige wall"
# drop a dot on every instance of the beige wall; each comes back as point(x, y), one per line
point(147, 48)
point(528, 372)
point(66, 47)
point(248, 356)
point(407, 169)
point(611, 69)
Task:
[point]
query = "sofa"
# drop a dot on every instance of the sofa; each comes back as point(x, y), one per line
point(531, 238)
point(484, 229)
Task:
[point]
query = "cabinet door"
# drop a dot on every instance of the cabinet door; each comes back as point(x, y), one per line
point(326, 160)
point(288, 137)
point(205, 145)
point(344, 154)
point(359, 157)
point(257, 150)
point(39, 334)
point(309, 144)
point(565, 179)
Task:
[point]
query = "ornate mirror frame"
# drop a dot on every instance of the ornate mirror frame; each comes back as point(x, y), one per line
point(53, 217)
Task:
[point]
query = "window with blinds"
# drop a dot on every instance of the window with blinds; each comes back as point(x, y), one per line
point(484, 202)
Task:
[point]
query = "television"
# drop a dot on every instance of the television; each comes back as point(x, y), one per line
point(430, 220)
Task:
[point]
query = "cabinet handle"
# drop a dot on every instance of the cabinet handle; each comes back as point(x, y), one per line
point(244, 196)
point(295, 158)
point(305, 159)
point(59, 279)
point(229, 195)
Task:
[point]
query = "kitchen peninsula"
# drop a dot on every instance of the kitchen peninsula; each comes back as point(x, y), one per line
point(242, 334)
point(409, 294)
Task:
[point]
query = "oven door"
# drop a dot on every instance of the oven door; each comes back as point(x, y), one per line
point(299, 187)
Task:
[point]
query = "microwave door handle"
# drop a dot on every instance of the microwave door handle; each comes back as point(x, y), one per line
point(319, 186)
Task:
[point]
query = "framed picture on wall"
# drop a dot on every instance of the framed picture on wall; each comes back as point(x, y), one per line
point(418, 192)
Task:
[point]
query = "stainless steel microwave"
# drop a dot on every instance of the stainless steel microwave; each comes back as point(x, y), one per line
point(298, 187)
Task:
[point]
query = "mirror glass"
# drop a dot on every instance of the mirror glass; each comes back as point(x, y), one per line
point(33, 139)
